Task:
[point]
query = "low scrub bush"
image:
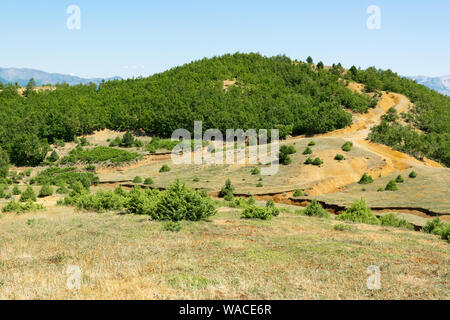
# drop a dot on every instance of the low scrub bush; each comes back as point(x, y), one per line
point(255, 212)
point(392, 220)
point(391, 186)
point(46, 191)
point(137, 179)
point(98, 155)
point(172, 226)
point(298, 193)
point(256, 171)
point(359, 212)
point(317, 162)
point(413, 175)
point(339, 157)
point(28, 206)
point(437, 227)
point(366, 179)
point(227, 191)
point(148, 181)
point(309, 161)
point(347, 147)
point(308, 151)
point(343, 227)
point(27, 195)
point(311, 144)
point(164, 168)
point(315, 209)
point(399, 179)
point(16, 191)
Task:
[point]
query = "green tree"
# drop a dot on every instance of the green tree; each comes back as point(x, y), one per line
point(30, 87)
point(128, 140)
point(309, 60)
point(4, 163)
point(320, 65)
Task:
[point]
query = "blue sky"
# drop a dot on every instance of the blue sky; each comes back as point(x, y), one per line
point(142, 37)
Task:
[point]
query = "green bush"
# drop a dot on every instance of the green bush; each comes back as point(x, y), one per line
point(317, 162)
point(311, 144)
point(16, 191)
point(399, 179)
point(308, 150)
point(288, 149)
point(272, 206)
point(116, 142)
point(256, 171)
point(102, 201)
point(53, 156)
point(309, 161)
point(46, 191)
point(28, 194)
point(391, 186)
point(437, 227)
point(391, 220)
point(148, 181)
point(255, 212)
point(315, 209)
point(98, 155)
point(413, 175)
point(137, 179)
point(339, 157)
point(28, 206)
point(366, 179)
point(259, 185)
point(62, 190)
point(347, 147)
point(179, 202)
point(284, 159)
point(343, 227)
point(359, 212)
point(127, 140)
point(298, 193)
point(164, 168)
point(227, 191)
point(172, 226)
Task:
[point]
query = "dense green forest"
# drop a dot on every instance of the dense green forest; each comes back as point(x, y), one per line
point(269, 93)
point(265, 93)
point(431, 114)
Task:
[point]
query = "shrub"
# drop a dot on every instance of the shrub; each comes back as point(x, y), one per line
point(102, 201)
point(413, 175)
point(227, 191)
point(53, 156)
point(28, 194)
point(392, 221)
point(380, 189)
point(196, 179)
point(255, 212)
point(343, 227)
point(309, 161)
point(90, 168)
point(359, 212)
point(46, 191)
point(284, 158)
point(116, 142)
point(84, 142)
point(98, 155)
point(255, 171)
point(271, 206)
point(172, 226)
point(339, 157)
point(347, 147)
point(298, 193)
point(288, 149)
point(315, 209)
point(308, 150)
point(311, 144)
point(127, 140)
point(137, 179)
point(179, 202)
point(27, 172)
point(317, 162)
point(259, 185)
point(14, 206)
point(437, 227)
point(16, 191)
point(148, 181)
point(62, 190)
point(164, 168)
point(366, 179)
point(399, 179)
point(391, 186)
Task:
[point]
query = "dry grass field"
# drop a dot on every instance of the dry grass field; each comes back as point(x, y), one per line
point(289, 257)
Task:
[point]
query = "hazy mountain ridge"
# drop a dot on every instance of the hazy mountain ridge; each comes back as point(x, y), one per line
point(439, 84)
point(23, 75)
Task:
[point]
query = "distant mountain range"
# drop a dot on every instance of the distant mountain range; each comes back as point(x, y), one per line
point(439, 84)
point(23, 75)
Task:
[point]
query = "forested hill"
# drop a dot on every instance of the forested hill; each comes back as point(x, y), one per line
point(232, 91)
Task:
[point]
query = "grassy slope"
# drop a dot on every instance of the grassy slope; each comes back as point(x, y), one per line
point(290, 257)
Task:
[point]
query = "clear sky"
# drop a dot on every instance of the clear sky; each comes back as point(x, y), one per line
point(142, 37)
